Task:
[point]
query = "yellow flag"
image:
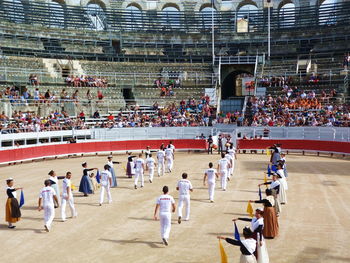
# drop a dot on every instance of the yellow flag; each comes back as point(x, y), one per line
point(250, 209)
point(222, 253)
point(265, 178)
point(73, 187)
point(268, 152)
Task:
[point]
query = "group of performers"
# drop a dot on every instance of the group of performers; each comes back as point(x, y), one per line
point(264, 224)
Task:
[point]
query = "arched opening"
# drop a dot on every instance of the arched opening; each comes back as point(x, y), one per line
point(247, 18)
point(133, 17)
point(235, 84)
point(327, 13)
point(287, 15)
point(171, 17)
point(14, 11)
point(207, 14)
point(97, 16)
point(56, 14)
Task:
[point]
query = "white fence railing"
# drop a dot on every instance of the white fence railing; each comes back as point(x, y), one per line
point(149, 133)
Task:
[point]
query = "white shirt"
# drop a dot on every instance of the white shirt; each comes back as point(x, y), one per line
point(66, 183)
point(110, 163)
point(184, 186)
point(160, 155)
point(169, 153)
point(231, 152)
point(228, 157)
point(138, 164)
point(165, 202)
point(105, 175)
point(210, 175)
point(172, 147)
point(47, 194)
point(256, 223)
point(150, 162)
point(250, 244)
point(274, 184)
point(13, 193)
point(223, 164)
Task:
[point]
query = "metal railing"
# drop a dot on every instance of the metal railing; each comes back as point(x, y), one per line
point(58, 16)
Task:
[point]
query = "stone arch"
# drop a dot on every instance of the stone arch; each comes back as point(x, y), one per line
point(104, 4)
point(174, 5)
point(239, 5)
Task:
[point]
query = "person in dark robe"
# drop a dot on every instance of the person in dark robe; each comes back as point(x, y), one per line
point(13, 212)
point(86, 186)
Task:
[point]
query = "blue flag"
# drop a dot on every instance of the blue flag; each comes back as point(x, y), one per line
point(21, 201)
point(268, 170)
point(98, 177)
point(237, 236)
point(274, 168)
point(260, 197)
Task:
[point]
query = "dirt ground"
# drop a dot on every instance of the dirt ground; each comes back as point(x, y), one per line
point(314, 225)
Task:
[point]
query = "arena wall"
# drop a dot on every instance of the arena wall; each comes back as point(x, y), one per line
point(63, 150)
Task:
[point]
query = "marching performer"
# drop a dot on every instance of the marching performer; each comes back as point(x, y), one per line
point(283, 184)
point(54, 184)
point(210, 177)
point(67, 196)
point(230, 160)
point(223, 167)
point(150, 164)
point(130, 167)
point(275, 188)
point(161, 161)
point(166, 205)
point(184, 187)
point(46, 201)
point(106, 182)
point(139, 168)
point(13, 212)
point(169, 154)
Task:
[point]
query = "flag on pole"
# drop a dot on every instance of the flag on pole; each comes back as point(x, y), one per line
point(268, 152)
point(250, 209)
point(237, 236)
point(98, 177)
point(222, 253)
point(260, 197)
point(265, 179)
point(21, 201)
point(268, 170)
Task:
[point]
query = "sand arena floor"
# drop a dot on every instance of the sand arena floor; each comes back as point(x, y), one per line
point(314, 226)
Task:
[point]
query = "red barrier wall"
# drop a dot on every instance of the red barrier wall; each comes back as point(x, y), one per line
point(93, 147)
point(317, 146)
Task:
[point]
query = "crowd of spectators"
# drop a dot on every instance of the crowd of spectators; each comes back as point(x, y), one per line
point(86, 81)
point(286, 81)
point(296, 108)
point(31, 122)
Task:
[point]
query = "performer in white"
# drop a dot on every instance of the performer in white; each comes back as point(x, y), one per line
point(67, 196)
point(106, 183)
point(150, 164)
point(161, 161)
point(229, 158)
point(139, 168)
point(184, 187)
point(210, 177)
point(166, 205)
point(46, 201)
point(223, 166)
point(232, 152)
point(169, 154)
point(283, 184)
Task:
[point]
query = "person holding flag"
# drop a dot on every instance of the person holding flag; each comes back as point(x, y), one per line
point(275, 188)
point(210, 176)
point(67, 196)
point(111, 163)
point(13, 212)
point(247, 246)
point(86, 186)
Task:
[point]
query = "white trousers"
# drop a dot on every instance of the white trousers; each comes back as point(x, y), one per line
point(184, 199)
point(49, 215)
point(211, 190)
point(71, 205)
point(165, 224)
point(137, 175)
point(223, 179)
point(161, 168)
point(151, 173)
point(169, 162)
point(102, 194)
